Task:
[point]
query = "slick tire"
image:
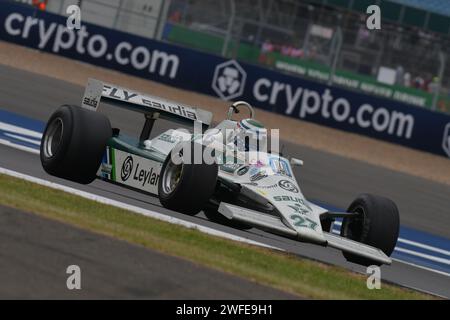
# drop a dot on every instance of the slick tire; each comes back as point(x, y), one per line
point(377, 224)
point(74, 143)
point(187, 187)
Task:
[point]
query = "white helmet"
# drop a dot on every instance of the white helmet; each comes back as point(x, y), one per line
point(251, 135)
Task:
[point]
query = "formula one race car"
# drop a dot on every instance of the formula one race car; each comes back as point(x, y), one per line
point(235, 181)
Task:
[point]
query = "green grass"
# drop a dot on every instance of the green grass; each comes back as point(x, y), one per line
point(287, 272)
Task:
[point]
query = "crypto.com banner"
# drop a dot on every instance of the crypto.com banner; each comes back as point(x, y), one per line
point(205, 73)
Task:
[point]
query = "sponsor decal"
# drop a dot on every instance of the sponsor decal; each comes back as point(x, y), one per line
point(137, 172)
point(90, 42)
point(229, 167)
point(136, 98)
point(288, 186)
point(230, 164)
point(297, 200)
point(127, 168)
point(271, 186)
point(262, 192)
point(256, 163)
point(242, 171)
point(90, 102)
point(280, 166)
point(307, 102)
point(257, 174)
point(146, 176)
point(169, 138)
point(303, 222)
point(254, 184)
point(106, 168)
point(229, 80)
point(298, 208)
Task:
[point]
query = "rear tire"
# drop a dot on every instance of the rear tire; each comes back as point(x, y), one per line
point(187, 187)
point(74, 142)
point(376, 225)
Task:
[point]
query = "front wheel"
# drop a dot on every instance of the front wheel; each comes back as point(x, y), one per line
point(187, 187)
point(377, 224)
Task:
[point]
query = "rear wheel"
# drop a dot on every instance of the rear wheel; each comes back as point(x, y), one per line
point(377, 224)
point(187, 187)
point(74, 142)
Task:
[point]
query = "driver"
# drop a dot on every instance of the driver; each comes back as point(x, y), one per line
point(250, 135)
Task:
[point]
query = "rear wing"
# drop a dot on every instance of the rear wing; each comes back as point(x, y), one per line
point(97, 90)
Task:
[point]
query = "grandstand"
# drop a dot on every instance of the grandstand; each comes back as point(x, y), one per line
point(303, 35)
point(326, 40)
point(436, 6)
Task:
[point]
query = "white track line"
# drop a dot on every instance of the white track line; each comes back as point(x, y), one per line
point(16, 129)
point(18, 146)
point(411, 243)
point(423, 255)
point(142, 211)
point(424, 246)
point(32, 141)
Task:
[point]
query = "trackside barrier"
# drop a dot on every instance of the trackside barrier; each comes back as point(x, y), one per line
point(188, 69)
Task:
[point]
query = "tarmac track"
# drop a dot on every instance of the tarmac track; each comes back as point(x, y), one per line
point(35, 253)
point(335, 180)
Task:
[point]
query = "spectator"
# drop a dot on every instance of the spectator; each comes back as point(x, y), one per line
point(407, 79)
point(266, 49)
point(286, 50)
point(433, 85)
point(418, 82)
point(363, 33)
point(175, 17)
point(297, 53)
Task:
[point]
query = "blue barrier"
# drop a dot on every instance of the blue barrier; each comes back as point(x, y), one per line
point(205, 73)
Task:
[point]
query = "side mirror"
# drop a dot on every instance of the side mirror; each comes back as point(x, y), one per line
point(296, 162)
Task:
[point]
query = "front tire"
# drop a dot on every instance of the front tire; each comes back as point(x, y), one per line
point(74, 143)
point(377, 224)
point(187, 187)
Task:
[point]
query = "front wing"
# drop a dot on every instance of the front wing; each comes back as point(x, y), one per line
point(275, 225)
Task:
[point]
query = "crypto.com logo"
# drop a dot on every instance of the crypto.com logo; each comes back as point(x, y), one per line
point(229, 80)
point(446, 139)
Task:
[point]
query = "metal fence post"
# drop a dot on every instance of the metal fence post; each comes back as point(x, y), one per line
point(442, 62)
point(162, 19)
point(337, 51)
point(226, 43)
point(118, 11)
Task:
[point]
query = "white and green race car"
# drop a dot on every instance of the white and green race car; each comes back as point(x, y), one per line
point(235, 181)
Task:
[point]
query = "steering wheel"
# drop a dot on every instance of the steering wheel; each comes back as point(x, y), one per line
point(234, 108)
